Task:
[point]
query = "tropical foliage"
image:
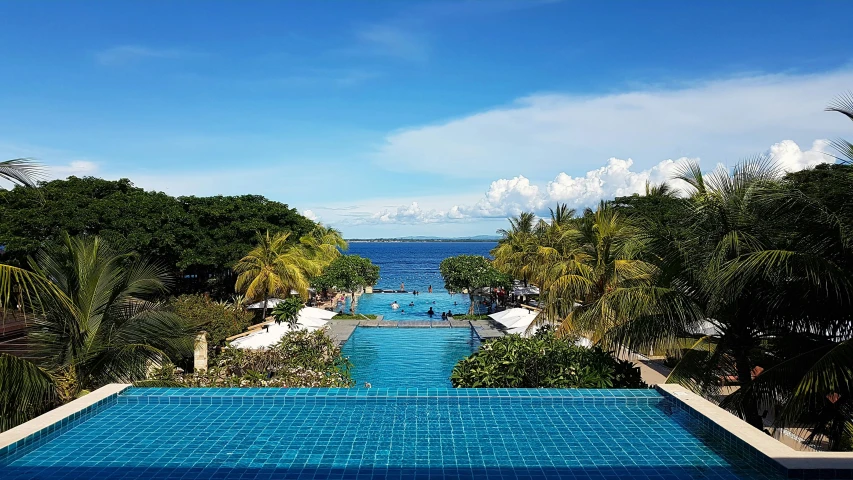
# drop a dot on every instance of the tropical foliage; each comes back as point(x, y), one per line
point(102, 327)
point(470, 273)
point(301, 359)
point(544, 360)
point(275, 267)
point(755, 266)
point(219, 319)
point(288, 311)
point(348, 273)
point(199, 237)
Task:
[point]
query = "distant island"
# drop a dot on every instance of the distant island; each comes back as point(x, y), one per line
point(475, 238)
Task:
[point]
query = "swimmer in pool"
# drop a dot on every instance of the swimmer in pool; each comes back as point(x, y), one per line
point(394, 305)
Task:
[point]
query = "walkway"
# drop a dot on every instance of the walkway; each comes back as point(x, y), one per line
point(341, 330)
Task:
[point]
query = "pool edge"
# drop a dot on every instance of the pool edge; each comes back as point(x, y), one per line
point(762, 447)
point(31, 431)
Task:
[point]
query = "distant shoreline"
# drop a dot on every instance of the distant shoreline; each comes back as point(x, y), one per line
point(421, 240)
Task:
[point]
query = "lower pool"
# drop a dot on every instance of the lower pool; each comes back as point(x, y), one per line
point(407, 357)
point(317, 434)
point(414, 307)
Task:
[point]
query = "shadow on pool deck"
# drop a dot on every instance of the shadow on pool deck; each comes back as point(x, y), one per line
point(381, 473)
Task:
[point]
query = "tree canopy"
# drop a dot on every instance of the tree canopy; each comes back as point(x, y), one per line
point(471, 272)
point(201, 237)
point(348, 273)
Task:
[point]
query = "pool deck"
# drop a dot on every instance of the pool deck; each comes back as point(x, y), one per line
point(341, 330)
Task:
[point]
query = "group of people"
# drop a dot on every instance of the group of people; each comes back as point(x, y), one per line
point(417, 292)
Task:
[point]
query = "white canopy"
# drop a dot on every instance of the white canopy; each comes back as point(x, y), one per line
point(318, 313)
point(528, 290)
point(271, 303)
point(513, 316)
point(515, 320)
point(266, 337)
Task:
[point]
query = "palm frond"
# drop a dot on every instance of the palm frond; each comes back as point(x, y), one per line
point(21, 171)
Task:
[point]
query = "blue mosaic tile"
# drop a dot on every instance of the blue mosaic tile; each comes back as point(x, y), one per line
point(386, 434)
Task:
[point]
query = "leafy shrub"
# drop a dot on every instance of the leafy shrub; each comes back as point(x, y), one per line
point(301, 359)
point(543, 360)
point(220, 321)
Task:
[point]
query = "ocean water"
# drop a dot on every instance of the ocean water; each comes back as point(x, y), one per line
point(415, 265)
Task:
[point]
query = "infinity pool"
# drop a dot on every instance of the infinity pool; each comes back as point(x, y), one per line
point(407, 357)
point(317, 434)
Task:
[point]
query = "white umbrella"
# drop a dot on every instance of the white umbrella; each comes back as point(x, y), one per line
point(271, 302)
point(512, 312)
point(317, 313)
point(272, 334)
point(514, 317)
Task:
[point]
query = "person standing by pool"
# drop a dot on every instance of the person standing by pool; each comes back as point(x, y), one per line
point(402, 287)
point(429, 290)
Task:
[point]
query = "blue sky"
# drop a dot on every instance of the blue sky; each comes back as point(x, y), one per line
point(407, 118)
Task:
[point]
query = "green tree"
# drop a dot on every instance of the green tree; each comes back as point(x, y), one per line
point(288, 311)
point(201, 238)
point(348, 273)
point(274, 267)
point(469, 273)
point(219, 320)
point(103, 328)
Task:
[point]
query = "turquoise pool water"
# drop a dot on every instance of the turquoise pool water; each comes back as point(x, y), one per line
point(407, 357)
point(380, 304)
point(318, 434)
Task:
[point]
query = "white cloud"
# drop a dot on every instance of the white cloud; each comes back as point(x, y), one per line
point(612, 180)
point(124, 54)
point(407, 214)
point(791, 159)
point(505, 197)
point(509, 197)
point(721, 120)
point(310, 215)
point(78, 168)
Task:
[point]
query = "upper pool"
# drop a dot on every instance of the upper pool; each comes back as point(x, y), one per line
point(318, 434)
point(407, 357)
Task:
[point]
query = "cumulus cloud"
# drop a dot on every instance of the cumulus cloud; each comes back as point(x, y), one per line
point(78, 168)
point(791, 159)
point(721, 120)
point(618, 177)
point(408, 214)
point(310, 215)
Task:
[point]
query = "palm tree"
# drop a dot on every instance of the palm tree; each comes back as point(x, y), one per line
point(20, 171)
point(323, 244)
point(104, 328)
point(843, 105)
point(275, 267)
point(587, 274)
point(765, 275)
point(515, 251)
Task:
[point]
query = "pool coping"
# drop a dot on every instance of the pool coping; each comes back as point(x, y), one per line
point(758, 445)
point(46, 423)
point(796, 463)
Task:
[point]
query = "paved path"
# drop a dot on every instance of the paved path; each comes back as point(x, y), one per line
point(341, 330)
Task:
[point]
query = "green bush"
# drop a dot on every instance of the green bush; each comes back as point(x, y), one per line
point(543, 360)
point(219, 320)
point(301, 359)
